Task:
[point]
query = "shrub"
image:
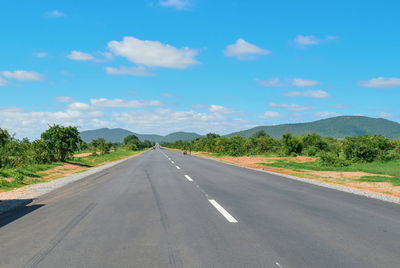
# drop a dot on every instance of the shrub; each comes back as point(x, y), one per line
point(40, 152)
point(332, 160)
point(366, 148)
point(291, 145)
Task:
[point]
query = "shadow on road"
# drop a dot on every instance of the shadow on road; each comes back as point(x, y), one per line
point(21, 209)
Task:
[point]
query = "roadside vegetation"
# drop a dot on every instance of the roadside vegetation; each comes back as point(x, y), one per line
point(369, 153)
point(58, 152)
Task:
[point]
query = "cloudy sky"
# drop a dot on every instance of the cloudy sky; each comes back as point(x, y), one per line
point(158, 66)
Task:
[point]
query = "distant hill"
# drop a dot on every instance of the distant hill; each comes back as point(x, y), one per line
point(176, 136)
point(118, 135)
point(337, 127)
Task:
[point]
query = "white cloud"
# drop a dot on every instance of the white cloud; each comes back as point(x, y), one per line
point(81, 56)
point(178, 4)
point(303, 41)
point(214, 108)
point(244, 50)
point(384, 114)
point(270, 115)
point(2, 82)
point(23, 75)
point(64, 99)
point(135, 71)
point(299, 82)
point(159, 120)
point(290, 107)
point(306, 40)
point(32, 123)
point(317, 94)
point(153, 53)
point(40, 54)
point(221, 109)
point(120, 103)
point(79, 106)
point(326, 114)
point(273, 82)
point(54, 14)
point(168, 95)
point(168, 120)
point(381, 82)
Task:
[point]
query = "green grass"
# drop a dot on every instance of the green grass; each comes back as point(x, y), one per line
point(95, 160)
point(30, 174)
point(23, 175)
point(391, 168)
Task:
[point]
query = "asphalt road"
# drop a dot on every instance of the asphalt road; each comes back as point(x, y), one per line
point(145, 212)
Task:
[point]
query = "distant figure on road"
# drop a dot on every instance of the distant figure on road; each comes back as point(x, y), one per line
point(184, 152)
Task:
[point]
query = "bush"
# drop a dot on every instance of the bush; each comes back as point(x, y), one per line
point(366, 148)
point(291, 145)
point(40, 152)
point(332, 160)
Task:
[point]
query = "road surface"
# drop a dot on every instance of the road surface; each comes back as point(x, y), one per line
point(163, 209)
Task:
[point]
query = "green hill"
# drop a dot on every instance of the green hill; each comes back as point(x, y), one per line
point(118, 135)
point(337, 127)
point(185, 136)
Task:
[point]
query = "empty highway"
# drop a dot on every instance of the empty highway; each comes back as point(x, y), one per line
point(164, 209)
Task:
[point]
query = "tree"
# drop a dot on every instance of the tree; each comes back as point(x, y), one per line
point(313, 144)
point(366, 148)
point(212, 136)
point(132, 142)
point(258, 134)
point(61, 141)
point(102, 145)
point(4, 136)
point(40, 152)
point(291, 145)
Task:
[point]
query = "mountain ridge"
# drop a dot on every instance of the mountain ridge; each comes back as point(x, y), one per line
point(336, 127)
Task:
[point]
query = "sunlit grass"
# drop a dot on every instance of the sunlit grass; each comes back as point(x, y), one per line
point(391, 168)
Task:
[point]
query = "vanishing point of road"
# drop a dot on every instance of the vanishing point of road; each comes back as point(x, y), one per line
point(164, 209)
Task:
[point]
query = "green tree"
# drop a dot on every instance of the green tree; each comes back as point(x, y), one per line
point(4, 136)
point(101, 145)
point(313, 144)
point(132, 142)
point(258, 134)
point(61, 141)
point(291, 144)
point(40, 152)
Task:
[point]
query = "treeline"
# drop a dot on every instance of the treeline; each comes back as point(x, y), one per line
point(331, 151)
point(56, 144)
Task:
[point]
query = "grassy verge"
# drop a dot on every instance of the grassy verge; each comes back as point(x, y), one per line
point(391, 168)
point(95, 160)
point(18, 177)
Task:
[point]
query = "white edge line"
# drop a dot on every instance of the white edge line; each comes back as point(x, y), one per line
point(221, 210)
point(188, 178)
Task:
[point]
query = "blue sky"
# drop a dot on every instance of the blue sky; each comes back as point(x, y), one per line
point(158, 66)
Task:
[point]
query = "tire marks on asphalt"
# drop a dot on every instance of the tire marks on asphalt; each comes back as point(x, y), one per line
point(38, 257)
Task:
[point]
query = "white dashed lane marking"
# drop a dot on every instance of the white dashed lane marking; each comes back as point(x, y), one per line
point(224, 213)
point(188, 178)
